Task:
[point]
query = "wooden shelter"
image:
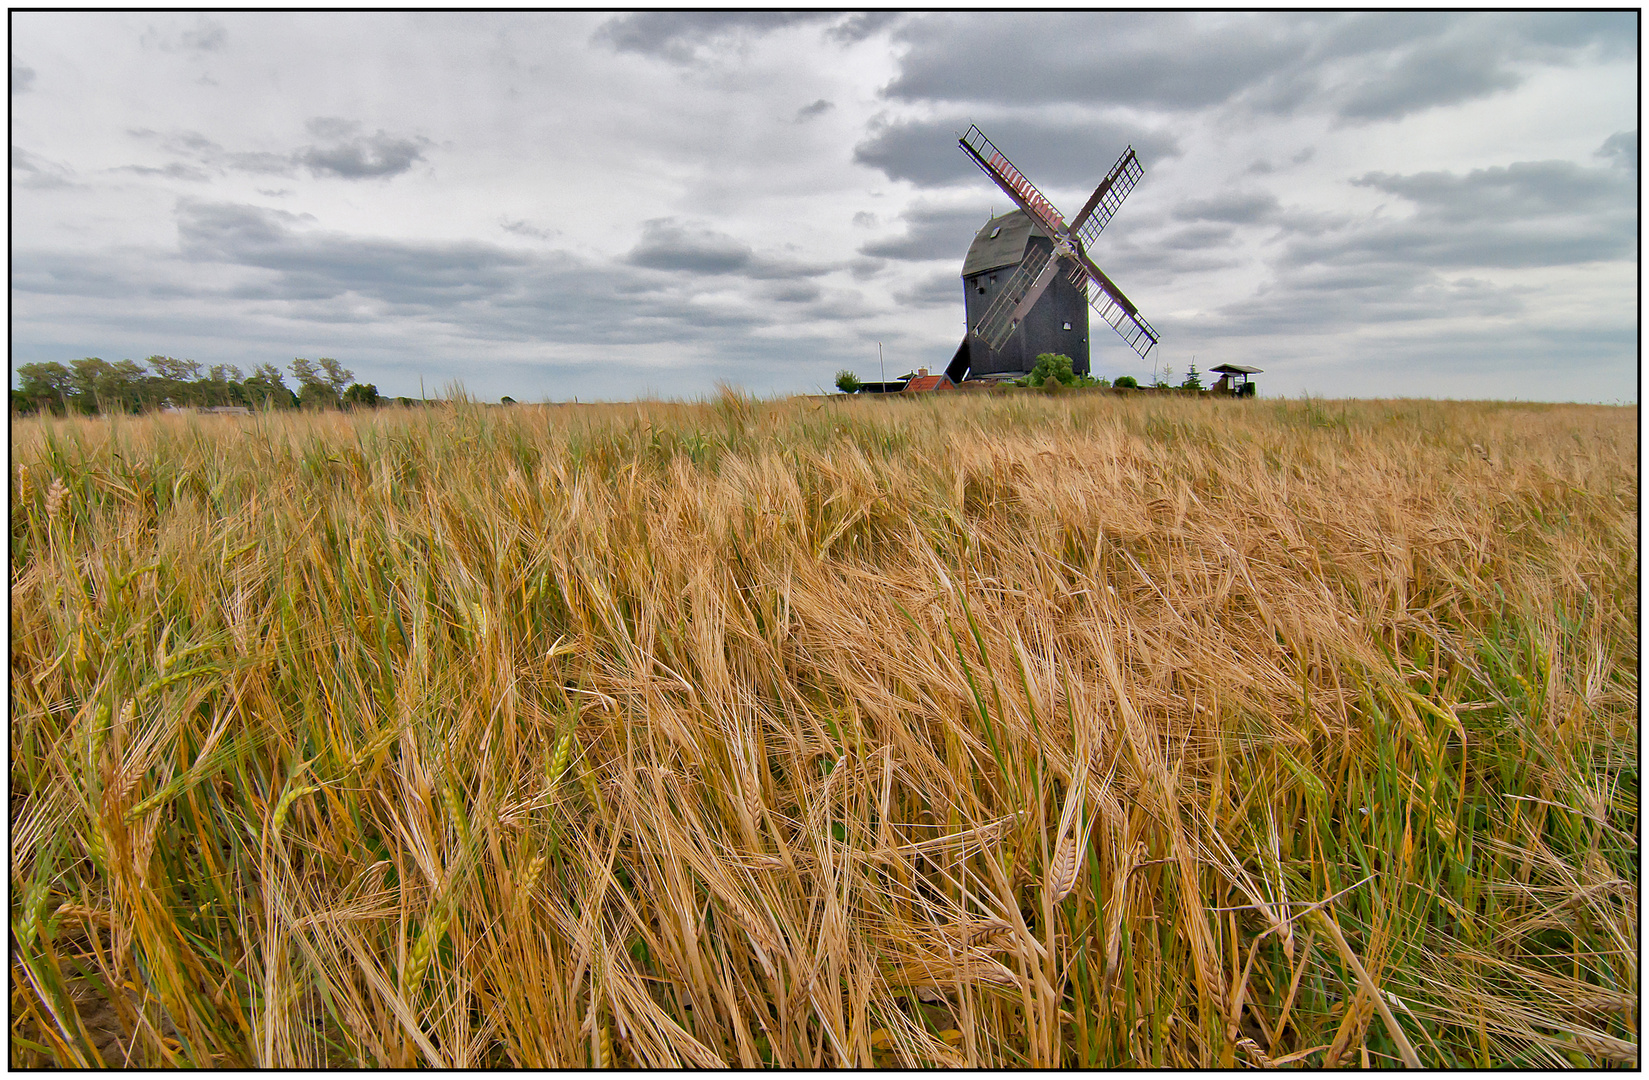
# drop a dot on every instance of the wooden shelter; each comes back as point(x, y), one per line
point(1233, 380)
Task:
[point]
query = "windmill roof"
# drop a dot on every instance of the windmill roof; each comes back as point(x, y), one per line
point(1007, 248)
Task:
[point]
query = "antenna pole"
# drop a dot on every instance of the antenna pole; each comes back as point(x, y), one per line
point(884, 365)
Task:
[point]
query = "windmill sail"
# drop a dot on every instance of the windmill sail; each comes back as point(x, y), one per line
point(1013, 182)
point(1107, 197)
point(1115, 308)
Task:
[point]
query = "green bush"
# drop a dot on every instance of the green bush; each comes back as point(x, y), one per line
point(847, 382)
point(1055, 367)
point(1126, 381)
point(361, 394)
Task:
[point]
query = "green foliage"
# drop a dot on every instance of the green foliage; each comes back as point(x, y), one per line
point(317, 395)
point(304, 371)
point(170, 367)
point(1057, 368)
point(44, 385)
point(336, 376)
point(1126, 382)
point(366, 395)
point(1193, 379)
point(847, 382)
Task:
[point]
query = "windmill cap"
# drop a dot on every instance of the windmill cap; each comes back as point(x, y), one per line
point(1006, 248)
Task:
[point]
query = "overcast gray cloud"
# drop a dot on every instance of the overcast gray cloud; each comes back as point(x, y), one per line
point(931, 232)
point(1078, 152)
point(678, 36)
point(343, 151)
point(1363, 67)
point(551, 204)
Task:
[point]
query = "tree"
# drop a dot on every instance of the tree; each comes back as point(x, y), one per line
point(170, 367)
point(1126, 381)
point(45, 383)
point(304, 372)
point(847, 382)
point(336, 377)
point(97, 385)
point(364, 394)
point(267, 388)
point(316, 388)
point(1193, 379)
point(317, 395)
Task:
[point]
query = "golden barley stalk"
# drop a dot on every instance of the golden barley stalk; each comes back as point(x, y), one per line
point(591, 791)
point(606, 1047)
point(371, 749)
point(1252, 1049)
point(524, 887)
point(55, 495)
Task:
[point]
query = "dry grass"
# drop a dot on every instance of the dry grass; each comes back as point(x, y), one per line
point(1025, 731)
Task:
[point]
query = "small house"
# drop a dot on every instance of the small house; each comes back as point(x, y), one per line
point(922, 382)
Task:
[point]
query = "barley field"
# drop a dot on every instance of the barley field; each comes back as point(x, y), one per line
point(1012, 731)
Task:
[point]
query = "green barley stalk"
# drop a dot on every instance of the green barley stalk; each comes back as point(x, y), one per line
point(423, 950)
point(278, 819)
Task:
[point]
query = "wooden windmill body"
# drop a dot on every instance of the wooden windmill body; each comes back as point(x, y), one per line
point(1029, 280)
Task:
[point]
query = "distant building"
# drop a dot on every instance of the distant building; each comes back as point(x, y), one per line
point(1057, 323)
point(922, 382)
point(1233, 380)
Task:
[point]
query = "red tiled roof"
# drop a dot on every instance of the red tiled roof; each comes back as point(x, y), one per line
point(920, 383)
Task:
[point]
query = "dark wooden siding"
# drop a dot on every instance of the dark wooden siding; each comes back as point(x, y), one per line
point(1043, 329)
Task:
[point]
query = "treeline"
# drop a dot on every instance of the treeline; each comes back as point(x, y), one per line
point(92, 385)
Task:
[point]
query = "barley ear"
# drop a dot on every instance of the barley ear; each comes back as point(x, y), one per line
point(279, 817)
point(1062, 868)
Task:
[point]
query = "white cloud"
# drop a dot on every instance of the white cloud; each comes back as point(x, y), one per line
point(573, 203)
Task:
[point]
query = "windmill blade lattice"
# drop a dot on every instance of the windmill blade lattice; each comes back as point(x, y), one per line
point(1107, 197)
point(1013, 182)
point(1130, 325)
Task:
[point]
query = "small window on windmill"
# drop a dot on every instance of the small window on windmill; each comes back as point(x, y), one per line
point(995, 233)
point(1067, 326)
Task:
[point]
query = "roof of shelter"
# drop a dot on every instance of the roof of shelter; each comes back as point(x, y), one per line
point(1001, 242)
point(1238, 369)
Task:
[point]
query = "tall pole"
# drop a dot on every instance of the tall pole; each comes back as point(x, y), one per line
point(883, 365)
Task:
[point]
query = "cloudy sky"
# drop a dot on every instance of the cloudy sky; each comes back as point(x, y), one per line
point(606, 206)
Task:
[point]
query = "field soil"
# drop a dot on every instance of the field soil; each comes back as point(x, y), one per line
point(1025, 730)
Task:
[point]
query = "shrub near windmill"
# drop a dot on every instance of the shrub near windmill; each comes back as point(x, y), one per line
point(1028, 278)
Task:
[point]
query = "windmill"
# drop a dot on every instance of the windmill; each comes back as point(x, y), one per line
point(1033, 248)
